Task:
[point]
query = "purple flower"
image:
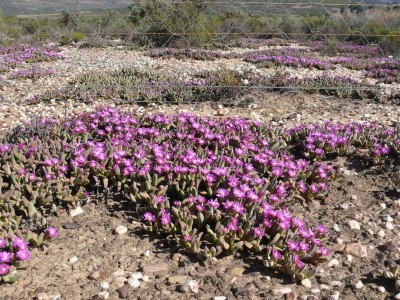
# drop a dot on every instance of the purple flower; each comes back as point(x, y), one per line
point(4, 269)
point(23, 255)
point(52, 232)
point(258, 232)
point(149, 217)
point(324, 251)
point(293, 246)
point(276, 254)
point(20, 243)
point(165, 217)
point(5, 257)
point(3, 243)
point(322, 229)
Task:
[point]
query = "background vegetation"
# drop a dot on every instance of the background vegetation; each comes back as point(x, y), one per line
point(199, 23)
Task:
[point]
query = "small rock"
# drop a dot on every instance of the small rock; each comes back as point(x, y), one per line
point(356, 249)
point(136, 275)
point(396, 203)
point(324, 287)
point(56, 296)
point(190, 286)
point(336, 227)
point(389, 226)
point(397, 296)
point(103, 295)
point(380, 234)
point(118, 273)
point(76, 211)
point(335, 283)
point(176, 256)
point(219, 298)
point(315, 291)
point(177, 279)
point(145, 278)
point(104, 285)
point(349, 257)
point(353, 224)
point(104, 275)
point(335, 295)
point(390, 246)
point(359, 285)
point(237, 271)
point(42, 296)
point(133, 283)
point(281, 291)
point(123, 292)
point(383, 205)
point(94, 276)
point(146, 253)
point(381, 289)
point(291, 296)
point(121, 230)
point(333, 262)
point(306, 283)
point(119, 282)
point(156, 268)
point(73, 259)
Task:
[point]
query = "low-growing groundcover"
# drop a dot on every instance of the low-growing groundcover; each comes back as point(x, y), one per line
point(215, 185)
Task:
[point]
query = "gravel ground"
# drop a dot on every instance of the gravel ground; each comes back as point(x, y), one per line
point(102, 253)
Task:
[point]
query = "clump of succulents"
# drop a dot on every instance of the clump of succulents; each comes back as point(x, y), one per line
point(214, 185)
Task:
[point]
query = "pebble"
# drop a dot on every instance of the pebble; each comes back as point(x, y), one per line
point(146, 253)
point(335, 295)
point(121, 229)
point(315, 291)
point(156, 268)
point(324, 287)
point(104, 285)
point(94, 275)
point(359, 285)
point(136, 275)
point(383, 205)
point(356, 249)
point(119, 282)
point(73, 259)
point(306, 283)
point(103, 295)
point(336, 227)
point(123, 292)
point(118, 273)
point(380, 234)
point(281, 291)
point(42, 296)
point(335, 283)
point(353, 224)
point(145, 278)
point(396, 203)
point(177, 279)
point(219, 298)
point(190, 286)
point(333, 262)
point(76, 211)
point(349, 257)
point(56, 296)
point(389, 226)
point(381, 289)
point(237, 271)
point(133, 283)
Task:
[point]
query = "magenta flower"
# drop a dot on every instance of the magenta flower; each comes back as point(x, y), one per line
point(324, 251)
point(276, 254)
point(5, 257)
point(20, 243)
point(4, 269)
point(3, 243)
point(52, 232)
point(258, 232)
point(149, 217)
point(23, 255)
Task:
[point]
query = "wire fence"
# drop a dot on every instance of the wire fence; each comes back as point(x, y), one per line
point(333, 47)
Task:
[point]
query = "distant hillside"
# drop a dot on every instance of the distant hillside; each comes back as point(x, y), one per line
point(35, 7)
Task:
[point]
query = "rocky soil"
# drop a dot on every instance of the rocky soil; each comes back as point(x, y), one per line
point(102, 253)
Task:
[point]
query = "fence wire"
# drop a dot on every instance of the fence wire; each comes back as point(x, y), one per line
point(361, 37)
